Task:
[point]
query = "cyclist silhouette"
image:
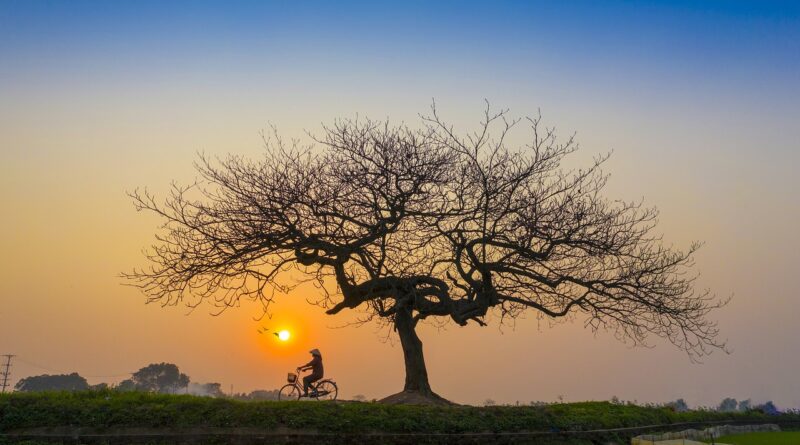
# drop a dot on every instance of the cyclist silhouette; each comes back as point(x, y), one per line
point(317, 371)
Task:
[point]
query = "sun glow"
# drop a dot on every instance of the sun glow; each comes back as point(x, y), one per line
point(284, 335)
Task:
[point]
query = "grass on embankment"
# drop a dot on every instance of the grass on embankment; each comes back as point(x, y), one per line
point(108, 409)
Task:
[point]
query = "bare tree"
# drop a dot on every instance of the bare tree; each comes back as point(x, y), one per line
point(410, 224)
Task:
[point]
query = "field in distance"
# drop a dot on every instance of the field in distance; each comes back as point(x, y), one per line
point(782, 438)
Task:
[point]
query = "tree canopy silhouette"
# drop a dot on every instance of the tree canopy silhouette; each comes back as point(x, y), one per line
point(413, 224)
point(56, 382)
point(156, 377)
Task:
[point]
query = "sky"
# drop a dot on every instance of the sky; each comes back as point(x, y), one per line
point(698, 100)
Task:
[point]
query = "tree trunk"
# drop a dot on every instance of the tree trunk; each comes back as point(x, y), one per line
point(416, 373)
point(417, 390)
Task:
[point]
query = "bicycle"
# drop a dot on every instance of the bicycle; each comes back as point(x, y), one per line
point(325, 389)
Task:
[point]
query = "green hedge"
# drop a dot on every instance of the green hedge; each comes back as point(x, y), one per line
point(106, 409)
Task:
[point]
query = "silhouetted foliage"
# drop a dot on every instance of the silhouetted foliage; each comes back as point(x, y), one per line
point(728, 405)
point(156, 377)
point(679, 405)
point(47, 382)
point(745, 405)
point(417, 224)
point(768, 408)
point(126, 385)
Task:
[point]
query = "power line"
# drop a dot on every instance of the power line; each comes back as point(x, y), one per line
point(6, 373)
point(46, 368)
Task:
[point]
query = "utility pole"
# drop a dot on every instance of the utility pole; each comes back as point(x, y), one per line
point(6, 373)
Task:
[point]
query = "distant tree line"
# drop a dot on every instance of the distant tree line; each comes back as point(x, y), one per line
point(60, 382)
point(164, 378)
point(730, 404)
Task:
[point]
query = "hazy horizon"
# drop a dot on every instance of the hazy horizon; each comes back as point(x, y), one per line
point(698, 103)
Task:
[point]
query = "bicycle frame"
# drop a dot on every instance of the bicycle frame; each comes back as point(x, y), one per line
point(315, 391)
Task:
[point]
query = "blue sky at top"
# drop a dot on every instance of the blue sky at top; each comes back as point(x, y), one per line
point(744, 40)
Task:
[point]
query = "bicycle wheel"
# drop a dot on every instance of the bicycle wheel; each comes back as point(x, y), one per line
point(289, 392)
point(327, 390)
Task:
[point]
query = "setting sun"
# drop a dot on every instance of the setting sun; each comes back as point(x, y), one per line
point(283, 335)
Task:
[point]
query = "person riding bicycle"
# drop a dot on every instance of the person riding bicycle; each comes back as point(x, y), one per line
point(315, 365)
